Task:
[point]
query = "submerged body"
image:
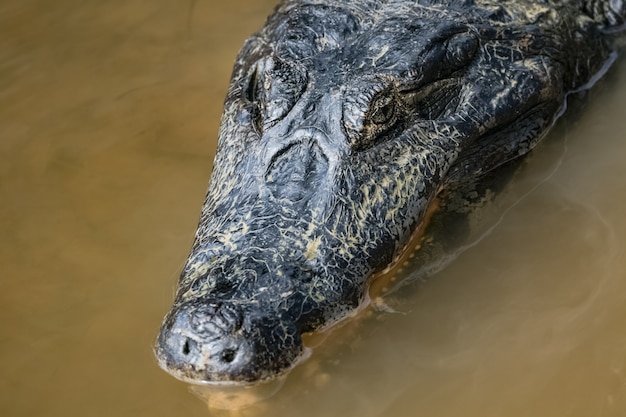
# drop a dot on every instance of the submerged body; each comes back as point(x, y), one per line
point(342, 122)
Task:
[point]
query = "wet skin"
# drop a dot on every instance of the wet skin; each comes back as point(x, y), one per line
point(341, 124)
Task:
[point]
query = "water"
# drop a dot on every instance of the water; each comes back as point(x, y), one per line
point(109, 112)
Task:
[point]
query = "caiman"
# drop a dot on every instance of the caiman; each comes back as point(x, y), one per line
point(342, 123)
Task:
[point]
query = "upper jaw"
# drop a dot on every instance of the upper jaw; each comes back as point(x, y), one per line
point(222, 343)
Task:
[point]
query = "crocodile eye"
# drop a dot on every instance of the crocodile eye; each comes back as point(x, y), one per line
point(383, 111)
point(368, 121)
point(250, 92)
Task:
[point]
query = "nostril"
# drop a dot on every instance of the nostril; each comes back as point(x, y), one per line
point(188, 346)
point(228, 355)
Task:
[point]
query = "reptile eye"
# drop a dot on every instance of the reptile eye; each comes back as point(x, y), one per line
point(460, 49)
point(379, 120)
point(383, 111)
point(250, 91)
point(371, 117)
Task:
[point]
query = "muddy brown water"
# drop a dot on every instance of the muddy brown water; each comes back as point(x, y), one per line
point(108, 115)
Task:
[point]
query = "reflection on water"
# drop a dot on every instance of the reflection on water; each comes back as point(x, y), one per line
point(108, 111)
point(235, 397)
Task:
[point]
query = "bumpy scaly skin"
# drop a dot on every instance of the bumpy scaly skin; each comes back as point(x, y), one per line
point(342, 122)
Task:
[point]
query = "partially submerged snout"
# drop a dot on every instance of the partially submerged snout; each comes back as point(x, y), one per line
point(225, 343)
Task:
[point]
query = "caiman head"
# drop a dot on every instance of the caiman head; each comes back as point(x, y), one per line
point(340, 126)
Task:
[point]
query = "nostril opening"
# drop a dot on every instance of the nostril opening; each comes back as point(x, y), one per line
point(228, 355)
point(186, 347)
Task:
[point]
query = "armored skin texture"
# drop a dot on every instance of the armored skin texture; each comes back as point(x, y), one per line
point(343, 121)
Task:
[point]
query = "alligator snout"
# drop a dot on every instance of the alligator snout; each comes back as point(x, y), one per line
point(226, 342)
point(203, 340)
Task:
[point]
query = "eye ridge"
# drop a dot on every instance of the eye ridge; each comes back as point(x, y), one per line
point(460, 49)
point(272, 88)
point(433, 100)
